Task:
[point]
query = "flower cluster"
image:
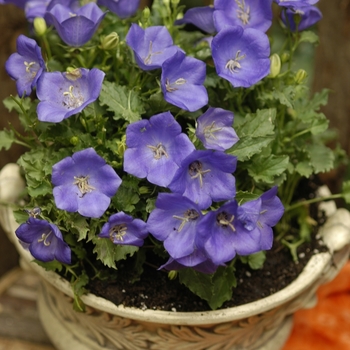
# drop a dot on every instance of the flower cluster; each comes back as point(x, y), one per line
point(147, 138)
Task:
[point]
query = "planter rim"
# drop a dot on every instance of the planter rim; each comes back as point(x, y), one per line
point(312, 271)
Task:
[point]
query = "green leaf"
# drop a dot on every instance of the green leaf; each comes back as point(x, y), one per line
point(7, 137)
point(266, 169)
point(309, 37)
point(79, 289)
point(243, 196)
point(346, 191)
point(125, 103)
point(214, 288)
point(79, 224)
point(321, 157)
point(109, 253)
point(304, 169)
point(255, 133)
point(50, 266)
point(255, 261)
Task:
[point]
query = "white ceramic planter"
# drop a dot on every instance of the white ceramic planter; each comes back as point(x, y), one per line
point(264, 324)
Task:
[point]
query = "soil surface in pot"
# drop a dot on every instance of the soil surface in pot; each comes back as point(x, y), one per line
point(156, 291)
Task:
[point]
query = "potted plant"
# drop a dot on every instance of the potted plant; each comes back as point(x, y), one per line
point(168, 146)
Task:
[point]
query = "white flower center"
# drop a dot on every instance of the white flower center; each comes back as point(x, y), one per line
point(233, 64)
point(159, 151)
point(171, 87)
point(243, 12)
point(83, 185)
point(148, 58)
point(189, 215)
point(117, 232)
point(44, 239)
point(225, 220)
point(195, 170)
point(72, 100)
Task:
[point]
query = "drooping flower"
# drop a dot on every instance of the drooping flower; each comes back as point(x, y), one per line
point(44, 241)
point(76, 28)
point(26, 65)
point(206, 176)
point(182, 82)
point(152, 46)
point(244, 13)
point(84, 183)
point(241, 56)
point(293, 3)
point(221, 235)
point(35, 8)
point(308, 16)
point(214, 129)
point(174, 221)
point(262, 214)
point(156, 148)
point(124, 230)
point(62, 95)
point(201, 17)
point(122, 8)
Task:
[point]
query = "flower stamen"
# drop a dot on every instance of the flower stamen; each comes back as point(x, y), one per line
point(195, 170)
point(148, 58)
point(159, 151)
point(190, 214)
point(44, 238)
point(210, 130)
point(223, 219)
point(243, 13)
point(232, 65)
point(72, 100)
point(118, 232)
point(28, 65)
point(83, 185)
point(170, 86)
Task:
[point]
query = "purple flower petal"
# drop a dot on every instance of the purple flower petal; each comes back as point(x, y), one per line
point(309, 15)
point(122, 8)
point(206, 176)
point(241, 56)
point(124, 230)
point(174, 221)
point(84, 183)
point(156, 148)
point(214, 129)
point(65, 94)
point(152, 46)
point(182, 82)
point(244, 13)
point(44, 241)
point(201, 17)
point(26, 66)
point(76, 28)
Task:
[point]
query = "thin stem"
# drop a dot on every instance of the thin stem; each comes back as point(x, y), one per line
point(314, 200)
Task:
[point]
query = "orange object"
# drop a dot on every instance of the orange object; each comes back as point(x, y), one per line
point(327, 325)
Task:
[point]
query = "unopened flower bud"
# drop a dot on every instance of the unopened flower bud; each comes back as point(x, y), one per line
point(175, 2)
point(110, 41)
point(275, 65)
point(285, 57)
point(172, 274)
point(122, 146)
point(300, 76)
point(143, 190)
point(40, 26)
point(146, 13)
point(74, 140)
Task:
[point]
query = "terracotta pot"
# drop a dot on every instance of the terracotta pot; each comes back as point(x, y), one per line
point(263, 324)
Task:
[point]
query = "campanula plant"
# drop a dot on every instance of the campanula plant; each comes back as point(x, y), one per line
point(164, 134)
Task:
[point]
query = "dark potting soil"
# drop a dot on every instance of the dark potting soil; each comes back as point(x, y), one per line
point(156, 291)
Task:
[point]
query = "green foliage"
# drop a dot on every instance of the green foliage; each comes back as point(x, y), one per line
point(215, 288)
